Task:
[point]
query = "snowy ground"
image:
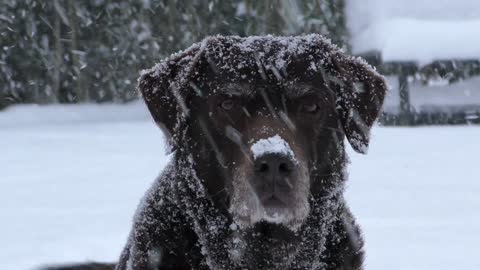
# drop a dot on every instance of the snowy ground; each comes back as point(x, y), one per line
point(68, 188)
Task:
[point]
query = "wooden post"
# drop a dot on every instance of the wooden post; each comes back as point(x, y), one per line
point(404, 92)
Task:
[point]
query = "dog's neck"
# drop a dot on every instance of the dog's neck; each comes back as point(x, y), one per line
point(271, 246)
point(266, 245)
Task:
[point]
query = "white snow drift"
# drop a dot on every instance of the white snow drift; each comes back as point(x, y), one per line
point(68, 191)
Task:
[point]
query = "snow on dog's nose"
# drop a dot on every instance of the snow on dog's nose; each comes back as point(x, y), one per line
point(274, 187)
point(272, 145)
point(274, 164)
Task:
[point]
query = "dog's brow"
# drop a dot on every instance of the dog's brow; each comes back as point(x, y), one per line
point(235, 89)
point(298, 90)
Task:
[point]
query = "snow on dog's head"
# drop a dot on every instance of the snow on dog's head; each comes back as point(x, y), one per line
point(263, 119)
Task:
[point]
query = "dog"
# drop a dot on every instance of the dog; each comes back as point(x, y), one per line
point(256, 127)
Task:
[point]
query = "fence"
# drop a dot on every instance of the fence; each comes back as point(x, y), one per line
point(455, 101)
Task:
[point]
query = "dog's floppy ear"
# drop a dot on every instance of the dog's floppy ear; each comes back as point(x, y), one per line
point(154, 86)
point(360, 92)
point(163, 89)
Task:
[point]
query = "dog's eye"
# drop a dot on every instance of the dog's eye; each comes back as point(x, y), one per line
point(309, 107)
point(227, 104)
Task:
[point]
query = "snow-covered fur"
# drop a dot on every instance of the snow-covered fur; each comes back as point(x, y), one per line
point(186, 221)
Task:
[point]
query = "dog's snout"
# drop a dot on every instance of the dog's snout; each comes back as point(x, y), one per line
point(274, 169)
point(273, 164)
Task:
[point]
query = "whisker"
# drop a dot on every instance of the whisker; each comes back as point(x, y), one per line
point(219, 192)
point(287, 180)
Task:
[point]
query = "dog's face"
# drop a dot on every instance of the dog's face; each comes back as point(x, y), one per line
point(264, 138)
point(271, 137)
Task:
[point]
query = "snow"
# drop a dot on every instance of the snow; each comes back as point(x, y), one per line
point(419, 31)
point(422, 41)
point(233, 54)
point(69, 188)
point(416, 197)
point(272, 145)
point(38, 115)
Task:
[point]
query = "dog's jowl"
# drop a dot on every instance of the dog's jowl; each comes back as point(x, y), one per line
point(257, 128)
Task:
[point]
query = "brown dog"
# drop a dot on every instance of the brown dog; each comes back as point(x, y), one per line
point(257, 126)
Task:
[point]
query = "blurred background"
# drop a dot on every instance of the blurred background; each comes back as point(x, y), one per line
point(78, 148)
point(91, 51)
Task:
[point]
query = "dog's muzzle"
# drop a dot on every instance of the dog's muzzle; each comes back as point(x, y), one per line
point(272, 178)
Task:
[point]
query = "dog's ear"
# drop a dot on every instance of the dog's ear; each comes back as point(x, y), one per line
point(360, 92)
point(154, 87)
point(164, 88)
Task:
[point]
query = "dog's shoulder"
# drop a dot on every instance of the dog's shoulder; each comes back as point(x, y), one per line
point(160, 235)
point(344, 249)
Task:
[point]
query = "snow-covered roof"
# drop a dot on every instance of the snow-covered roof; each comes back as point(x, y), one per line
point(421, 40)
point(402, 31)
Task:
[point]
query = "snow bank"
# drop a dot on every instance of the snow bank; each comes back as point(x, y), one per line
point(39, 115)
point(421, 40)
point(68, 192)
point(367, 12)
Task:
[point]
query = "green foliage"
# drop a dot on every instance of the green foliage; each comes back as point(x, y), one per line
point(80, 51)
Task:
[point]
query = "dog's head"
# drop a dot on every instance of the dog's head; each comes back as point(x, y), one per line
point(265, 118)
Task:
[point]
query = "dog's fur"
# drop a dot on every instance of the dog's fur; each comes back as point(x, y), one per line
point(215, 101)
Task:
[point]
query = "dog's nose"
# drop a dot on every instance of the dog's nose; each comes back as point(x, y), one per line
point(274, 170)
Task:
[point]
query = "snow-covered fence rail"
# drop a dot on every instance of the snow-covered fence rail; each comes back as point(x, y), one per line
point(439, 92)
